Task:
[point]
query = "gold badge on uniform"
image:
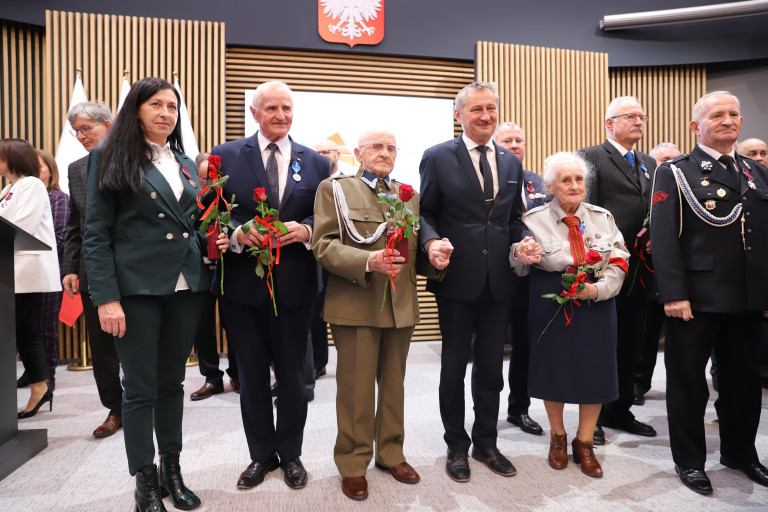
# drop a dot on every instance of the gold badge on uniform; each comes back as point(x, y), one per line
point(704, 183)
point(721, 192)
point(710, 204)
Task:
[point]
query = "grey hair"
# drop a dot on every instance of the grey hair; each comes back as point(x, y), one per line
point(260, 90)
point(96, 111)
point(507, 124)
point(552, 165)
point(369, 133)
point(201, 158)
point(655, 151)
point(613, 107)
point(461, 98)
point(698, 108)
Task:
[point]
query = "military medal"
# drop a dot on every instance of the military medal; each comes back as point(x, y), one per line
point(750, 179)
point(721, 192)
point(704, 182)
point(645, 171)
point(530, 190)
point(710, 204)
point(296, 168)
point(192, 183)
point(153, 195)
point(706, 165)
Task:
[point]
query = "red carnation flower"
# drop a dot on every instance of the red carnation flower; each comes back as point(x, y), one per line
point(406, 193)
point(215, 161)
point(593, 257)
point(259, 194)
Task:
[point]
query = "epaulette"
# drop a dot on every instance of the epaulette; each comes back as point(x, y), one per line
point(595, 208)
point(340, 176)
point(678, 158)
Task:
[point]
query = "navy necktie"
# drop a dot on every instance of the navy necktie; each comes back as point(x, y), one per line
point(485, 170)
point(273, 195)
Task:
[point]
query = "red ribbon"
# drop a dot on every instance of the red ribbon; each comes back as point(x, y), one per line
point(395, 237)
point(268, 242)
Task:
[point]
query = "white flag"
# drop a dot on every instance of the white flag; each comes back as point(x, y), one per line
point(70, 148)
point(124, 88)
point(187, 133)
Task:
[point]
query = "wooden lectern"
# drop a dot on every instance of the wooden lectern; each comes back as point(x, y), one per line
point(16, 446)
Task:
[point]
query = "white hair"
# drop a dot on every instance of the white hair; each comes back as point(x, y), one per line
point(664, 145)
point(553, 164)
point(461, 98)
point(616, 103)
point(269, 86)
point(96, 111)
point(369, 134)
point(698, 108)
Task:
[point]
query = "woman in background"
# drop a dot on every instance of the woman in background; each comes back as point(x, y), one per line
point(25, 203)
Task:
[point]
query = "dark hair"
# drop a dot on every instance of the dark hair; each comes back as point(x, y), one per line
point(50, 161)
point(126, 151)
point(20, 157)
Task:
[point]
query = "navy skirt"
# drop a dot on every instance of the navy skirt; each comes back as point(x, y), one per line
point(574, 364)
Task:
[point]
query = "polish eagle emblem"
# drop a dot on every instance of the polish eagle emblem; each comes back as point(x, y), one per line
point(351, 21)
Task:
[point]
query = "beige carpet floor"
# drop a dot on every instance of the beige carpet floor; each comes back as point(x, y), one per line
point(78, 472)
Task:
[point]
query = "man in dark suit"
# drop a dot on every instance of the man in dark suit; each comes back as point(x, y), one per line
point(621, 184)
point(91, 121)
point(472, 197)
point(709, 232)
point(512, 137)
point(290, 173)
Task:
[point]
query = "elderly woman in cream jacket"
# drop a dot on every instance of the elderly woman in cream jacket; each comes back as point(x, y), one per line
point(573, 349)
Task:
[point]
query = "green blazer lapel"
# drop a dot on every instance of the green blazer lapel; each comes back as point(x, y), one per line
point(189, 194)
point(156, 181)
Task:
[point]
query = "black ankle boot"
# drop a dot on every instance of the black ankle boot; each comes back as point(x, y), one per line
point(147, 493)
point(172, 483)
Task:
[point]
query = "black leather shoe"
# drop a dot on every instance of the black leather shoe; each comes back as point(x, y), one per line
point(525, 423)
point(319, 372)
point(22, 381)
point(497, 462)
point(295, 475)
point(457, 466)
point(633, 427)
point(208, 390)
point(755, 471)
point(256, 471)
point(147, 494)
point(235, 381)
point(638, 400)
point(598, 438)
point(171, 483)
point(694, 479)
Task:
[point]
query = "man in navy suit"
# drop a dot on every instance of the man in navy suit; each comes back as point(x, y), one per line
point(512, 137)
point(290, 173)
point(472, 198)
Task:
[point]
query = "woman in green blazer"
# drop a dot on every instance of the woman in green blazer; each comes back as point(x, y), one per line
point(143, 257)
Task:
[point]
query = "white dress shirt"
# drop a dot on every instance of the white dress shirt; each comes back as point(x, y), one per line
point(475, 156)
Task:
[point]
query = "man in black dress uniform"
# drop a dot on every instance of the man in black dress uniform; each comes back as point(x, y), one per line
point(709, 233)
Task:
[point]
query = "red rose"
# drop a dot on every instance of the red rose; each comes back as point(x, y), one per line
point(259, 194)
point(593, 257)
point(406, 193)
point(214, 161)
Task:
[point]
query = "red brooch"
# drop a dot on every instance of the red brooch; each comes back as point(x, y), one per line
point(659, 197)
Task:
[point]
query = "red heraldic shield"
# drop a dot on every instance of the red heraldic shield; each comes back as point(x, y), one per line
point(351, 21)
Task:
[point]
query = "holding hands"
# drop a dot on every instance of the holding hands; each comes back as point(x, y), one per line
point(528, 251)
point(439, 253)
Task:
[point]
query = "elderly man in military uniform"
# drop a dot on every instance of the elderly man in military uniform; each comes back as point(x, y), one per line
point(709, 233)
point(371, 337)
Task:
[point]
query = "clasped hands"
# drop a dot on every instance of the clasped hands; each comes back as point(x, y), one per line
point(296, 233)
point(528, 251)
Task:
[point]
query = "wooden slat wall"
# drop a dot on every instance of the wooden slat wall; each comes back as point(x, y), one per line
point(342, 72)
point(557, 96)
point(104, 46)
point(668, 94)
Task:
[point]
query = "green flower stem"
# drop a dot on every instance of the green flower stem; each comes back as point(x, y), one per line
point(550, 322)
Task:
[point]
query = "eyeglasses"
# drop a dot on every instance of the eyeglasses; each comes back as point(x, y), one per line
point(632, 116)
point(326, 152)
point(85, 130)
point(378, 147)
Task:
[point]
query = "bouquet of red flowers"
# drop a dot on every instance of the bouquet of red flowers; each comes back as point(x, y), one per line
point(407, 224)
point(218, 216)
point(573, 282)
point(267, 223)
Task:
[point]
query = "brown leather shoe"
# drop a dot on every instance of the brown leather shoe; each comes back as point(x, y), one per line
point(235, 381)
point(111, 425)
point(355, 487)
point(558, 451)
point(207, 391)
point(403, 472)
point(584, 454)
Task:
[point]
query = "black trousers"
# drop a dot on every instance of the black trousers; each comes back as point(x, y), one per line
point(488, 318)
point(205, 343)
point(735, 338)
point(320, 326)
point(153, 352)
point(519, 401)
point(654, 321)
point(630, 316)
point(106, 364)
point(258, 338)
point(29, 337)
